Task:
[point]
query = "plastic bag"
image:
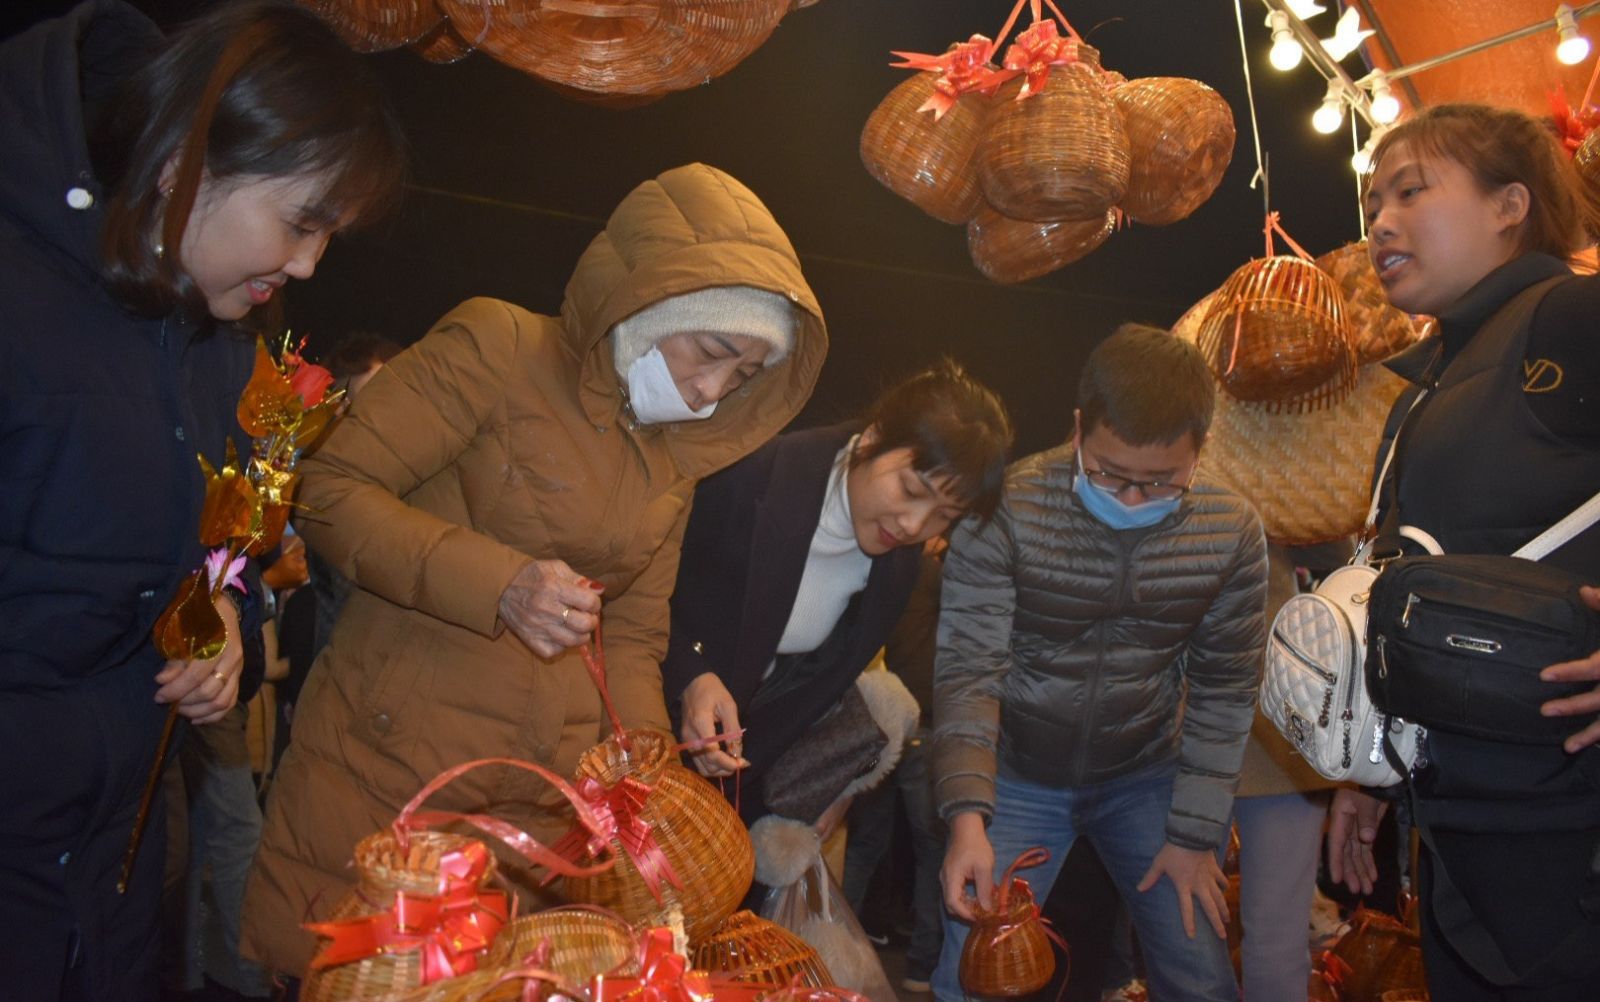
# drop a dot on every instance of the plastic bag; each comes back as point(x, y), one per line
point(814, 909)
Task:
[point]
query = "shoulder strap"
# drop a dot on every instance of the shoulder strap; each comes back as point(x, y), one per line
point(1383, 471)
point(1553, 538)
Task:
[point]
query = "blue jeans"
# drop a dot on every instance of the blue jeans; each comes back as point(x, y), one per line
point(1126, 820)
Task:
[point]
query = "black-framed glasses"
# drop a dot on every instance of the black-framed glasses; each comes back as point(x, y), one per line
point(1114, 484)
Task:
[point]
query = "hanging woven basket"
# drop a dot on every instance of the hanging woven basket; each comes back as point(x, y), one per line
point(442, 45)
point(752, 950)
point(694, 829)
point(377, 25)
point(1276, 334)
point(928, 162)
point(1180, 141)
point(1587, 163)
point(1014, 250)
point(1377, 330)
point(619, 46)
point(1061, 153)
point(1007, 953)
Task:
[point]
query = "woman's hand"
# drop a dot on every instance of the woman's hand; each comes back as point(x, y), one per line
point(205, 690)
point(1583, 670)
point(1196, 876)
point(708, 710)
point(1352, 829)
point(969, 858)
point(550, 607)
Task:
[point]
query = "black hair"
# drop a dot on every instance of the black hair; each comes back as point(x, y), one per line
point(954, 426)
point(359, 351)
point(1147, 386)
point(249, 90)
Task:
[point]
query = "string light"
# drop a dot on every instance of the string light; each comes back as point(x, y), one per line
point(1286, 52)
point(1573, 47)
point(1385, 107)
point(1330, 115)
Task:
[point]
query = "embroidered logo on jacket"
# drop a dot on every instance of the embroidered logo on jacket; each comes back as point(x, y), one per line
point(1541, 376)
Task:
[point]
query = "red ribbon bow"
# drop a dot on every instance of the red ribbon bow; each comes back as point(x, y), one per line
point(450, 929)
point(1573, 125)
point(963, 68)
point(619, 811)
point(664, 977)
point(1034, 52)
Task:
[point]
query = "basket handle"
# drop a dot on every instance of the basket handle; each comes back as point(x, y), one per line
point(1037, 856)
point(411, 818)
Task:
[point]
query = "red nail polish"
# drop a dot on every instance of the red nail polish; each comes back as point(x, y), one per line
point(596, 586)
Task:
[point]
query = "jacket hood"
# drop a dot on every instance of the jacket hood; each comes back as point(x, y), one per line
point(50, 75)
point(692, 228)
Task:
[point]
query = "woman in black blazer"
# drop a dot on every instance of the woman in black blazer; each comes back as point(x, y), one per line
point(798, 561)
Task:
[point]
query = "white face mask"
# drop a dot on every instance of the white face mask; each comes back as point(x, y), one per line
point(654, 396)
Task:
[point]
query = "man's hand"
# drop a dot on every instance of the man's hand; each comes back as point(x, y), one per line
point(1352, 829)
point(1583, 670)
point(708, 710)
point(550, 607)
point(205, 690)
point(1196, 876)
point(969, 858)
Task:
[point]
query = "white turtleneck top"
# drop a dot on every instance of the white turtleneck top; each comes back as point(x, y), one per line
point(835, 568)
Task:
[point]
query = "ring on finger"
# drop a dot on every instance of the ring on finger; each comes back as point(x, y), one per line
point(565, 612)
point(219, 676)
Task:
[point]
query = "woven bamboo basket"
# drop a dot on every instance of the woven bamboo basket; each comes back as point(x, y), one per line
point(1406, 995)
point(1007, 953)
point(926, 162)
point(1377, 329)
point(1015, 250)
point(1307, 474)
point(1061, 153)
point(752, 950)
point(698, 832)
point(1378, 955)
point(376, 25)
point(1180, 141)
point(619, 46)
point(442, 45)
point(1276, 334)
point(1587, 163)
point(384, 869)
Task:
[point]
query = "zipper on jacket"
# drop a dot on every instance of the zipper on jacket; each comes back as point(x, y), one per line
point(1125, 557)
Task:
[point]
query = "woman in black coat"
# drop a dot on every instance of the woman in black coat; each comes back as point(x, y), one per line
point(152, 194)
point(798, 561)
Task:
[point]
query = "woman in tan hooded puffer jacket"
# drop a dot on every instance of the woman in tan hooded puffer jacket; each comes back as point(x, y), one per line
point(486, 481)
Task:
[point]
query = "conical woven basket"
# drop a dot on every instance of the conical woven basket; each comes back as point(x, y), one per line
point(1015, 250)
point(926, 162)
point(1377, 329)
point(1276, 333)
point(376, 25)
point(628, 47)
point(750, 949)
point(1180, 141)
point(384, 869)
point(1059, 154)
point(698, 832)
point(1007, 953)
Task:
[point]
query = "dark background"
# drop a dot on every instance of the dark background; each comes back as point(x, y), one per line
point(512, 181)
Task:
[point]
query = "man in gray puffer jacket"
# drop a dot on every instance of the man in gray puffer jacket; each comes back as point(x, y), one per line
point(1099, 650)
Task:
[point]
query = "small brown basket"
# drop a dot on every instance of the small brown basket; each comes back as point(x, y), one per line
point(1015, 250)
point(698, 834)
point(927, 162)
point(619, 46)
point(1061, 153)
point(1276, 334)
point(1377, 329)
point(385, 870)
point(376, 25)
point(750, 949)
point(1008, 951)
point(1180, 141)
point(1379, 955)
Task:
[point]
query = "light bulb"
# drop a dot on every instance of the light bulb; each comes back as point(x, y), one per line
point(1385, 106)
point(1361, 160)
point(1286, 52)
point(1327, 118)
point(1573, 47)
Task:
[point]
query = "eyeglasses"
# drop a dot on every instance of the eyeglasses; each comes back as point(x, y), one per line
point(1114, 484)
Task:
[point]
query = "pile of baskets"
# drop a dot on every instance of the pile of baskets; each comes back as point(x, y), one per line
point(1039, 160)
point(594, 50)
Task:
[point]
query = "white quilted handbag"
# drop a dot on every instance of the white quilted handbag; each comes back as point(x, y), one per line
point(1314, 687)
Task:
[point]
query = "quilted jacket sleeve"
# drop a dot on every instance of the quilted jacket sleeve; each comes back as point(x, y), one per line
point(1223, 669)
point(977, 602)
point(413, 420)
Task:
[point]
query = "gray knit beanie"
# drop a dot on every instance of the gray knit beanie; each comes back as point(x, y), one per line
point(724, 309)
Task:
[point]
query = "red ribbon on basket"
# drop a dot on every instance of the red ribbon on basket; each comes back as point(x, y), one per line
point(1573, 125)
point(450, 930)
point(1275, 225)
point(1034, 52)
point(963, 68)
point(1032, 857)
point(619, 810)
point(664, 977)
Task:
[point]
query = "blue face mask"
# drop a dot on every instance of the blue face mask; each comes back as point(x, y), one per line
point(1110, 509)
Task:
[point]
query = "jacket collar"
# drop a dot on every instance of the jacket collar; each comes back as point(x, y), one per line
point(1423, 362)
